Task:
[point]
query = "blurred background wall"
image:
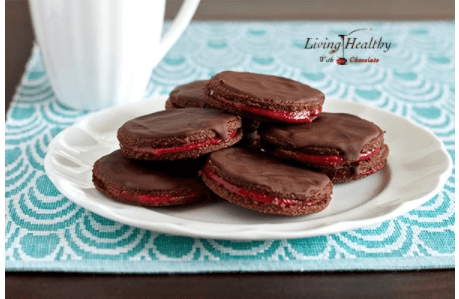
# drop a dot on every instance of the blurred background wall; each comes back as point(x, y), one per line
point(320, 9)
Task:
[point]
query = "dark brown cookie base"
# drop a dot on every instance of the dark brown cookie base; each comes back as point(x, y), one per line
point(144, 154)
point(270, 143)
point(146, 183)
point(188, 95)
point(216, 97)
point(141, 139)
point(348, 171)
point(189, 196)
point(331, 134)
point(357, 170)
point(264, 184)
point(321, 201)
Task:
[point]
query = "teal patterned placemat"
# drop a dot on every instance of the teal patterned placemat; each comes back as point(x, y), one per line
point(414, 78)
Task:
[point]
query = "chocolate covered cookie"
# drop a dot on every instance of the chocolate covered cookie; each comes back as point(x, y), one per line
point(264, 184)
point(149, 183)
point(343, 146)
point(188, 95)
point(179, 134)
point(264, 97)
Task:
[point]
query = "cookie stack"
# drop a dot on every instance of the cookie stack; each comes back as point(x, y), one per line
point(259, 141)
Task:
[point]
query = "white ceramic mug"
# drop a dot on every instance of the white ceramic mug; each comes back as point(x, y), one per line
point(100, 53)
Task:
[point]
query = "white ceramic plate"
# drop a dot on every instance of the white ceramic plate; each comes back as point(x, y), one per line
point(417, 168)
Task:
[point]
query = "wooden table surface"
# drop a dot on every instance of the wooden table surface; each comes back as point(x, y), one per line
point(387, 284)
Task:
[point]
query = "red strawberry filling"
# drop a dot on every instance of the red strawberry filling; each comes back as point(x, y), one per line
point(185, 147)
point(285, 116)
point(332, 160)
point(252, 194)
point(150, 199)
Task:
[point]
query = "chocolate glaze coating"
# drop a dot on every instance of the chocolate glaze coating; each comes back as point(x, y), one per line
point(269, 88)
point(114, 169)
point(351, 171)
point(357, 170)
point(314, 204)
point(257, 171)
point(345, 132)
point(189, 95)
point(178, 123)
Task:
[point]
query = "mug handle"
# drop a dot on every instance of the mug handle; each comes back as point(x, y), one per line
point(181, 21)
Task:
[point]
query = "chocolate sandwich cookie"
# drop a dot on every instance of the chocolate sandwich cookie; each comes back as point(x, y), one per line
point(264, 97)
point(149, 183)
point(264, 184)
point(343, 146)
point(179, 134)
point(188, 95)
